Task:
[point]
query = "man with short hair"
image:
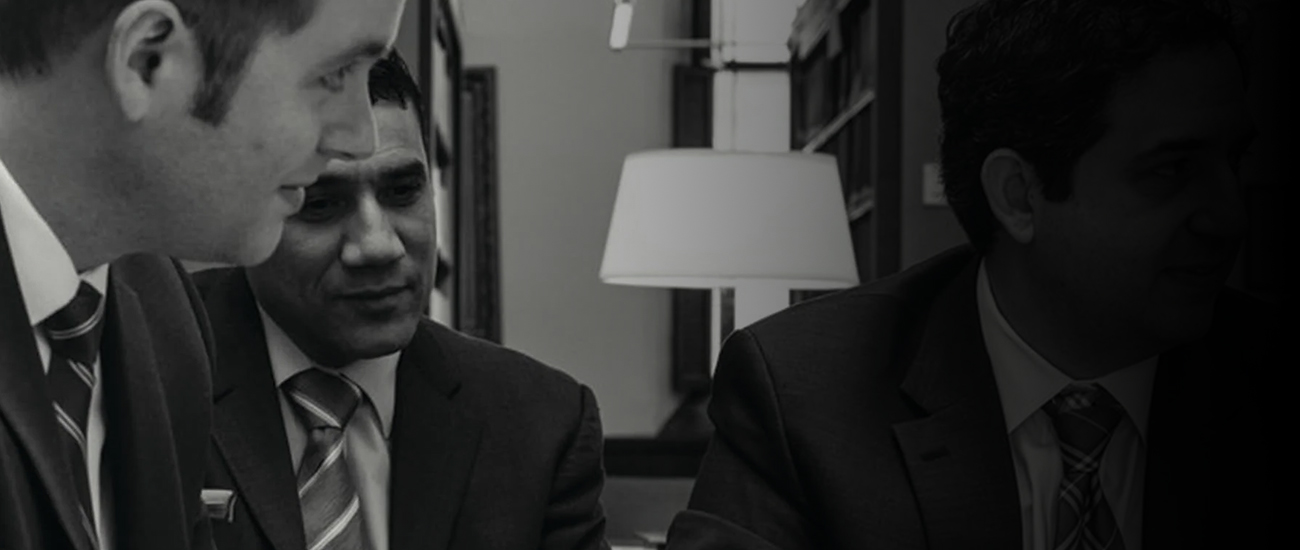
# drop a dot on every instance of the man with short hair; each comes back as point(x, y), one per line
point(129, 128)
point(1079, 377)
point(346, 419)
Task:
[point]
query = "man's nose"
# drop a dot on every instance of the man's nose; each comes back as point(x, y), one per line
point(1222, 212)
point(372, 239)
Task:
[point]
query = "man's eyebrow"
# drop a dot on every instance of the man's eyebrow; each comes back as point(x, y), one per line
point(1173, 146)
point(404, 170)
point(1185, 145)
point(401, 171)
point(329, 180)
point(370, 49)
point(1245, 139)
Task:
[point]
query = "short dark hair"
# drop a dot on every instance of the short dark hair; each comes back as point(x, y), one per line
point(1037, 76)
point(34, 33)
point(391, 81)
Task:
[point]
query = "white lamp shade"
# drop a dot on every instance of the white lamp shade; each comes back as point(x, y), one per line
point(702, 218)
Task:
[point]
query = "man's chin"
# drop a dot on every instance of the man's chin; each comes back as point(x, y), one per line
point(381, 341)
point(257, 246)
point(1184, 325)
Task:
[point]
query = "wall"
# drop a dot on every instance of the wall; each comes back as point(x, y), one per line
point(408, 35)
point(927, 230)
point(570, 109)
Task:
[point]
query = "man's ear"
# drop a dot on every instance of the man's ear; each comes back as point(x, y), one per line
point(154, 64)
point(1010, 185)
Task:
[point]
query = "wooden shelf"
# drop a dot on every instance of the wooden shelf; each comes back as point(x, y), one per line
point(829, 131)
point(813, 22)
point(861, 203)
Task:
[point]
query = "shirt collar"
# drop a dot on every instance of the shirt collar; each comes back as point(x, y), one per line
point(47, 277)
point(1026, 381)
point(377, 377)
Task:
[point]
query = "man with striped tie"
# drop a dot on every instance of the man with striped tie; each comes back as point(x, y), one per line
point(345, 419)
point(128, 129)
point(1079, 377)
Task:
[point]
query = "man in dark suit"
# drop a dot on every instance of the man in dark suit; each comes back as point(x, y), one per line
point(128, 128)
point(1078, 377)
point(346, 419)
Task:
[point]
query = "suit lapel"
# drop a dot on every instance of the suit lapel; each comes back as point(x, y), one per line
point(1203, 423)
point(433, 448)
point(247, 425)
point(25, 401)
point(958, 456)
point(1159, 515)
point(148, 512)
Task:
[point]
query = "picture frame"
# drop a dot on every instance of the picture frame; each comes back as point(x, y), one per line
point(479, 292)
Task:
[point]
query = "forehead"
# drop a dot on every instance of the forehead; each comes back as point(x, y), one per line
point(342, 27)
point(1198, 94)
point(398, 144)
point(398, 127)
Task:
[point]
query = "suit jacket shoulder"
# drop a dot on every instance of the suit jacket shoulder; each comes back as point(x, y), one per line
point(538, 467)
point(861, 419)
point(858, 345)
point(512, 378)
point(169, 323)
point(489, 448)
point(156, 354)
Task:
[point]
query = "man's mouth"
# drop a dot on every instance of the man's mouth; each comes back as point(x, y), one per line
point(1208, 272)
point(376, 293)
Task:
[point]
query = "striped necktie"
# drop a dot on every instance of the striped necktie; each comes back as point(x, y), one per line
point(73, 334)
point(1084, 417)
point(331, 509)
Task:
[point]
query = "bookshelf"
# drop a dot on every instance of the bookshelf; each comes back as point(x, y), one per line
point(845, 75)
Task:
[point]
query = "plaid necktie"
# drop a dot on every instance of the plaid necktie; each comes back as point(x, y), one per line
point(1084, 417)
point(73, 334)
point(331, 509)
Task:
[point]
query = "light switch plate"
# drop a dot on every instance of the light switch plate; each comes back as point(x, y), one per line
point(932, 185)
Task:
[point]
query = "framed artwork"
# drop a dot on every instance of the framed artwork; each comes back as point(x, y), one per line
point(440, 78)
point(479, 292)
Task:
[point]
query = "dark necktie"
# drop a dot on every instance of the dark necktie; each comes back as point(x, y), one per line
point(73, 334)
point(331, 509)
point(1084, 417)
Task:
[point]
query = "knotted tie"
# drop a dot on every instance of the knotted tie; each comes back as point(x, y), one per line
point(1084, 417)
point(331, 509)
point(73, 334)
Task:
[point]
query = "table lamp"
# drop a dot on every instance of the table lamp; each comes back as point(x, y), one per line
point(761, 223)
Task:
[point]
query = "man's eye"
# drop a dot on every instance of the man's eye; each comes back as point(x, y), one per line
point(1171, 170)
point(404, 194)
point(1167, 177)
point(318, 209)
point(1235, 159)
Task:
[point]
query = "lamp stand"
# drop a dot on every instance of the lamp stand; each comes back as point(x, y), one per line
point(753, 301)
point(757, 300)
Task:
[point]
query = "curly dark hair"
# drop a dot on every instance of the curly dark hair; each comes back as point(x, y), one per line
point(1036, 76)
point(390, 80)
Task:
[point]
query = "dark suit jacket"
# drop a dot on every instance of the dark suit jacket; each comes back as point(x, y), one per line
point(489, 449)
point(870, 419)
point(155, 360)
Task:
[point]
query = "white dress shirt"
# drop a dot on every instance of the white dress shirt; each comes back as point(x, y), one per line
point(366, 435)
point(48, 281)
point(1026, 381)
